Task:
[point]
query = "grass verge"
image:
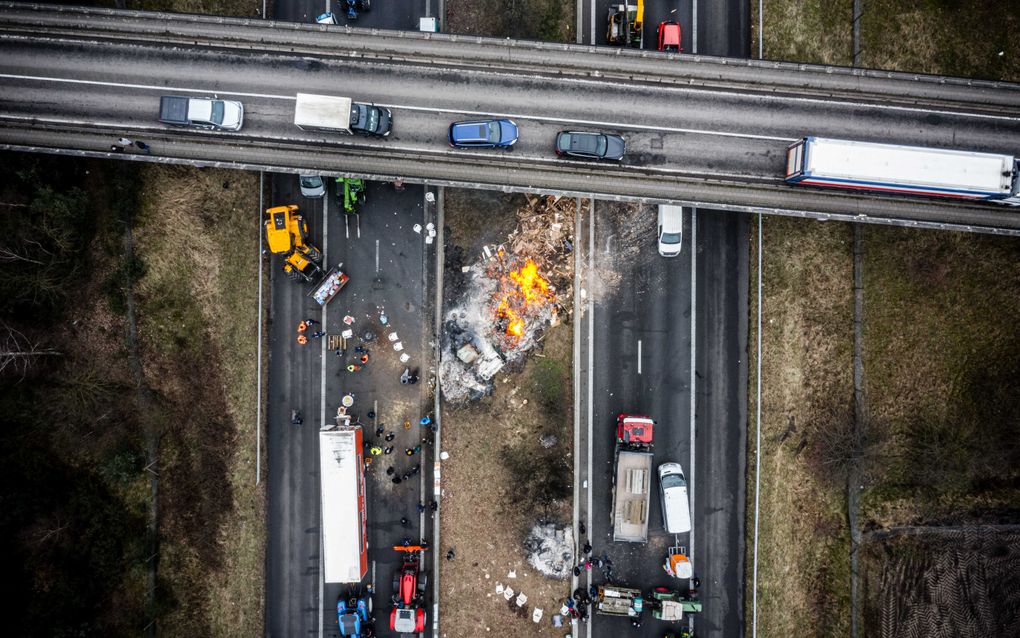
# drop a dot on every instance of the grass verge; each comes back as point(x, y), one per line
point(551, 20)
point(942, 357)
point(807, 385)
point(197, 236)
point(815, 31)
point(945, 37)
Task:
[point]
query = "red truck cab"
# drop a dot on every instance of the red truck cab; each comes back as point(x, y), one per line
point(634, 430)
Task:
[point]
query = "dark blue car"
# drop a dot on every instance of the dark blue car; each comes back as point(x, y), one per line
point(483, 134)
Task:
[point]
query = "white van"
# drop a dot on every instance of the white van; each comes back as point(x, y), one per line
point(676, 510)
point(671, 230)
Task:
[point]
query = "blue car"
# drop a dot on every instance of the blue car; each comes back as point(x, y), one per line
point(353, 616)
point(483, 134)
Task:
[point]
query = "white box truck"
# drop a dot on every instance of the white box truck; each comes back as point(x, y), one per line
point(331, 114)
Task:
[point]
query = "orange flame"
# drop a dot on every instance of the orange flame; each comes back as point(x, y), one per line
point(531, 290)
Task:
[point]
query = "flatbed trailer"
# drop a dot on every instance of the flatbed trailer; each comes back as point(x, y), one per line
point(633, 478)
point(619, 601)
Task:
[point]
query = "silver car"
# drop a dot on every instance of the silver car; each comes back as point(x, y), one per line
point(312, 186)
point(671, 230)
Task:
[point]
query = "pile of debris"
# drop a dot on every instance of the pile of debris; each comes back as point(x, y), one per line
point(512, 294)
point(551, 550)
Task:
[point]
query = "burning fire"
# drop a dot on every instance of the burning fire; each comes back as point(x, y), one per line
point(528, 290)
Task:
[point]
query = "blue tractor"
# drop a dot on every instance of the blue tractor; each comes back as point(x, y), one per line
point(354, 616)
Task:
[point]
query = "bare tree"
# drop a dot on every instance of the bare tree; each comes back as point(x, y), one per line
point(9, 255)
point(18, 352)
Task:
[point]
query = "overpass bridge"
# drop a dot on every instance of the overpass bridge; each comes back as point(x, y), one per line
point(703, 131)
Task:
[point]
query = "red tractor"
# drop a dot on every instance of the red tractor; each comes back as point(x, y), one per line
point(408, 616)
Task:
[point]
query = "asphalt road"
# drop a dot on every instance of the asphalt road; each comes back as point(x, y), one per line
point(642, 363)
point(642, 354)
point(386, 261)
point(386, 265)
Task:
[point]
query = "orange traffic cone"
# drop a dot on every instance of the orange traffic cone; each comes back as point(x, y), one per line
point(301, 327)
point(302, 339)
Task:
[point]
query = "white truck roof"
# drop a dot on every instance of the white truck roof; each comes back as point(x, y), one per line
point(342, 487)
point(889, 164)
point(323, 112)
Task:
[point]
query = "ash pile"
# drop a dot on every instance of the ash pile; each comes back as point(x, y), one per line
point(516, 291)
point(550, 550)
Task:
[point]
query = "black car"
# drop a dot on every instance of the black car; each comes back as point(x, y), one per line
point(590, 145)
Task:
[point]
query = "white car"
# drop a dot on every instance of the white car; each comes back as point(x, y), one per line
point(676, 509)
point(312, 186)
point(671, 230)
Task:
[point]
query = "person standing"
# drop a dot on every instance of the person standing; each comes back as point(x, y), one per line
point(125, 142)
point(143, 147)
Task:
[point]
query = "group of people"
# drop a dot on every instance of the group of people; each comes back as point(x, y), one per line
point(124, 144)
point(303, 327)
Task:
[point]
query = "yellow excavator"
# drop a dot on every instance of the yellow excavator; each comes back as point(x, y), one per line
point(287, 235)
point(625, 24)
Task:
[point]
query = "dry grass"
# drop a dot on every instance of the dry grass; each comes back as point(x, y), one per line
point(806, 369)
point(942, 356)
point(481, 518)
point(817, 31)
point(487, 512)
point(238, 8)
point(550, 20)
point(198, 237)
point(946, 37)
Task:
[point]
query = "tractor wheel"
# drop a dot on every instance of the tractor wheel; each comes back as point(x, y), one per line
point(423, 581)
point(366, 5)
point(292, 274)
point(396, 584)
point(314, 254)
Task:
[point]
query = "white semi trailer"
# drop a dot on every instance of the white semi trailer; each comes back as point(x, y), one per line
point(907, 170)
point(344, 523)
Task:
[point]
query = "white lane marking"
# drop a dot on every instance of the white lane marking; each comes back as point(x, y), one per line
point(591, 360)
point(693, 247)
point(258, 355)
point(578, 477)
point(694, 28)
point(322, 400)
point(757, 447)
point(592, 4)
point(600, 84)
point(639, 356)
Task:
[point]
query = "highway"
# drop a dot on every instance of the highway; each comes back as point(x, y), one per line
point(701, 139)
point(387, 264)
point(670, 342)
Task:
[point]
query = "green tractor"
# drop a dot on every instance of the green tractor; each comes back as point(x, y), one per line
point(671, 606)
point(351, 193)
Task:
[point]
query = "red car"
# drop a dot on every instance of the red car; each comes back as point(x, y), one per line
point(669, 37)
